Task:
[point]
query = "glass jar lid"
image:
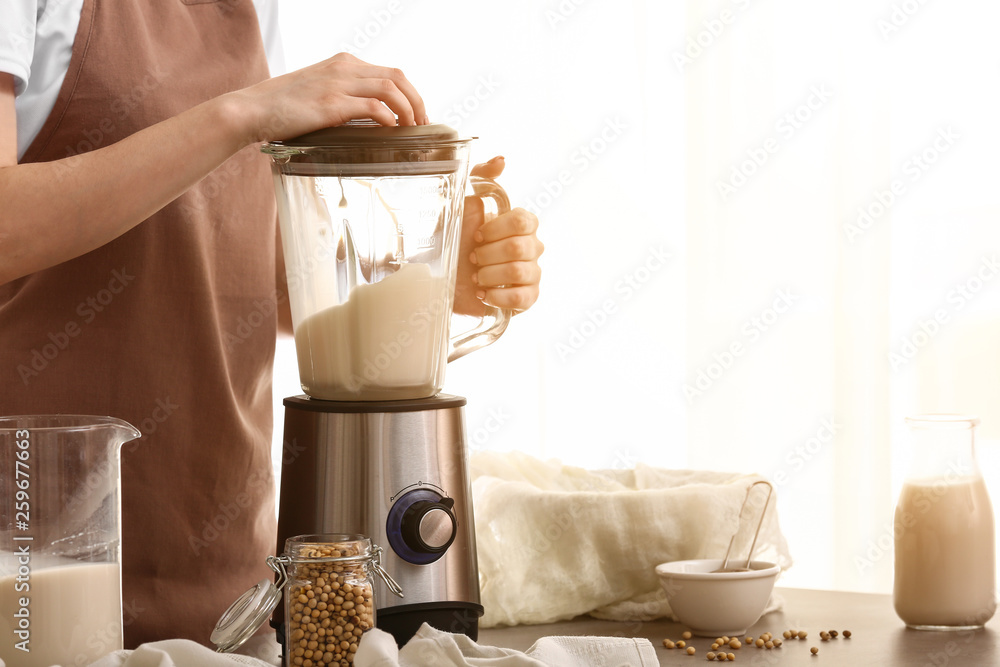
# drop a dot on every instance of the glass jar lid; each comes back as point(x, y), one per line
point(250, 611)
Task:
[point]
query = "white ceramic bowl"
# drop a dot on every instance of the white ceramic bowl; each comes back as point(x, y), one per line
point(716, 604)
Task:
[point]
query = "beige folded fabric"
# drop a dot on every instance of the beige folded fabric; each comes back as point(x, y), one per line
point(556, 541)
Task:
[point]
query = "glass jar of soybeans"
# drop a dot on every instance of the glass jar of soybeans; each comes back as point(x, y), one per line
point(329, 598)
point(328, 589)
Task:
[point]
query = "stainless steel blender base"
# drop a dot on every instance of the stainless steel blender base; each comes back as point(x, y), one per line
point(395, 471)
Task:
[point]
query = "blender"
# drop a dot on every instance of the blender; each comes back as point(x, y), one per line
point(370, 220)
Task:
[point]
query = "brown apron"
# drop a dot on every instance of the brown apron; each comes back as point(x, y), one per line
point(171, 326)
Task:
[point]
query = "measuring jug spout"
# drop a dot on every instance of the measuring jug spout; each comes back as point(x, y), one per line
point(118, 432)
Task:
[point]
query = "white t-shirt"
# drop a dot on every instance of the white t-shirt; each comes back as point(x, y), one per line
point(36, 42)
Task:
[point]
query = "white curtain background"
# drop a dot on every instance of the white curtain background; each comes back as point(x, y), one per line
point(771, 229)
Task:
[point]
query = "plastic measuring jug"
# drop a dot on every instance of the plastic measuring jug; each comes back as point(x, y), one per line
point(60, 538)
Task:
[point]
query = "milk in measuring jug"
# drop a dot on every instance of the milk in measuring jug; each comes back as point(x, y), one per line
point(74, 613)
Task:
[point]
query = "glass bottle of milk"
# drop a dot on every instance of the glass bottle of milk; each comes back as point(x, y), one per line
point(945, 572)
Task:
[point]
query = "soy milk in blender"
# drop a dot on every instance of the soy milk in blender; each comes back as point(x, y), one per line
point(387, 341)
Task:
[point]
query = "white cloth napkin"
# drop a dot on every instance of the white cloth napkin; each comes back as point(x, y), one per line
point(433, 648)
point(428, 648)
point(177, 653)
point(555, 541)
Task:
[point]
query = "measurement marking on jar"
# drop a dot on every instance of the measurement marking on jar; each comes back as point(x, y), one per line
point(22, 520)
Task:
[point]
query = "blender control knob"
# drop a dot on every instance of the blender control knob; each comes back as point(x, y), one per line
point(437, 528)
point(430, 527)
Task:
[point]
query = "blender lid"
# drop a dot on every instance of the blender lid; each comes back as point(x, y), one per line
point(245, 616)
point(367, 132)
point(367, 149)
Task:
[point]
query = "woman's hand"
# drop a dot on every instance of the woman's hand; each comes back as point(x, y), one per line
point(327, 94)
point(498, 259)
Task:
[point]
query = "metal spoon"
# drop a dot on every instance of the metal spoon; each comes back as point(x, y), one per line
point(746, 568)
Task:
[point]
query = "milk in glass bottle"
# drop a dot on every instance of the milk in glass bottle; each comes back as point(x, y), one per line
point(945, 562)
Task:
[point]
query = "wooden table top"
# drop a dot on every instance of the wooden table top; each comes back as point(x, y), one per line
point(878, 638)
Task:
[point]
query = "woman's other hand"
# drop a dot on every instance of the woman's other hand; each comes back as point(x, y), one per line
point(498, 259)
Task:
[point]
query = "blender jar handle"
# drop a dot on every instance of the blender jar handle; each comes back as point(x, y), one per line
point(495, 321)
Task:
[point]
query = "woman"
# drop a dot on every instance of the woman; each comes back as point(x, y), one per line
point(137, 230)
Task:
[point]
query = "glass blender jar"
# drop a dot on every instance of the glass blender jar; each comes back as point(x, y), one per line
point(370, 222)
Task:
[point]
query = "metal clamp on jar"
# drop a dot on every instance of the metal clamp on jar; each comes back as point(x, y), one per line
point(329, 595)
